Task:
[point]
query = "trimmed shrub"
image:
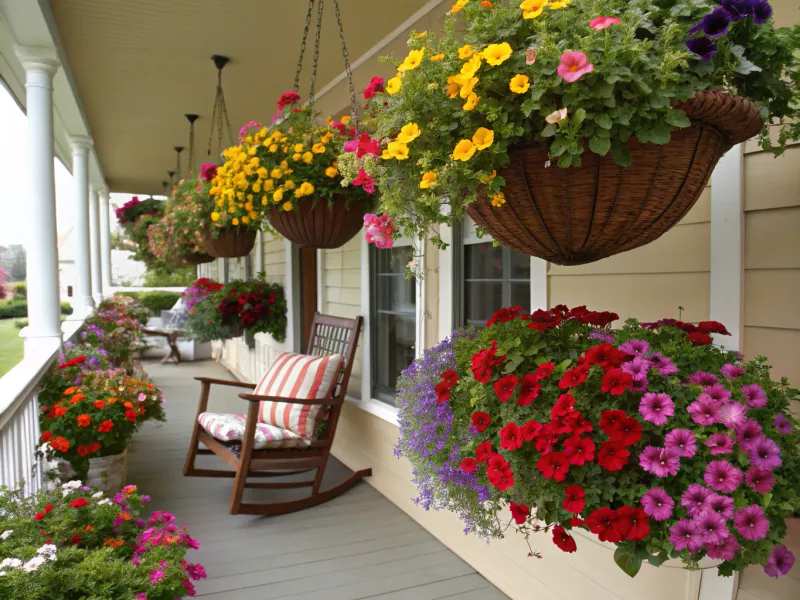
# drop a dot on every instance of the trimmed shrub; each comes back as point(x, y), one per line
point(154, 302)
point(20, 291)
point(66, 308)
point(14, 309)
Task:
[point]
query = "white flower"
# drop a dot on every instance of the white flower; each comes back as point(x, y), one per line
point(556, 116)
point(72, 485)
point(104, 501)
point(97, 495)
point(13, 563)
point(47, 550)
point(5, 534)
point(34, 563)
point(2, 573)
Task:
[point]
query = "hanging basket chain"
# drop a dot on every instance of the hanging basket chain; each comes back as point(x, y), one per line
point(296, 86)
point(219, 117)
point(316, 54)
point(348, 70)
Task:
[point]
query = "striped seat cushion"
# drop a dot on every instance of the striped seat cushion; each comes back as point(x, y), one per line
point(230, 428)
point(297, 376)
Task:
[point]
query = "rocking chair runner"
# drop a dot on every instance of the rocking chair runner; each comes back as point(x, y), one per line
point(329, 335)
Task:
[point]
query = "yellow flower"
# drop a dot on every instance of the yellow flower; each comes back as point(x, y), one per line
point(439, 56)
point(468, 87)
point(256, 187)
point(497, 54)
point(251, 151)
point(297, 156)
point(263, 200)
point(262, 173)
point(469, 68)
point(386, 155)
point(284, 166)
point(345, 120)
point(331, 172)
point(472, 102)
point(276, 173)
point(298, 147)
point(215, 216)
point(269, 185)
point(560, 4)
point(318, 148)
point(408, 133)
point(412, 61)
point(498, 200)
point(398, 150)
point(235, 221)
point(519, 84)
point(245, 220)
point(287, 206)
point(422, 35)
point(532, 8)
point(277, 196)
point(428, 179)
point(453, 87)
point(489, 177)
point(253, 215)
point(483, 138)
point(289, 185)
point(458, 5)
point(326, 138)
point(305, 189)
point(465, 52)
point(464, 150)
point(308, 157)
point(393, 85)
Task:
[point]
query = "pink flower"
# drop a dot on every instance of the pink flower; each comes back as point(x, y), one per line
point(573, 66)
point(140, 596)
point(243, 132)
point(363, 145)
point(375, 85)
point(288, 98)
point(379, 230)
point(599, 23)
point(365, 180)
point(208, 171)
point(156, 575)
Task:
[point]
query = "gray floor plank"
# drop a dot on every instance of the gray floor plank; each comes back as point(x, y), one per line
point(448, 588)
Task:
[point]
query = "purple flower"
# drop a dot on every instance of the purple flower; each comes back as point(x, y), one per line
point(657, 504)
point(705, 410)
point(639, 386)
point(703, 379)
point(660, 461)
point(602, 334)
point(764, 453)
point(779, 562)
point(712, 527)
point(694, 499)
point(754, 395)
point(684, 534)
point(722, 505)
point(782, 424)
point(716, 23)
point(751, 523)
point(156, 575)
point(662, 364)
point(719, 443)
point(635, 347)
point(733, 414)
point(761, 480)
point(195, 572)
point(725, 550)
point(747, 433)
point(731, 371)
point(761, 12)
point(683, 441)
point(722, 476)
point(656, 407)
point(637, 368)
point(717, 392)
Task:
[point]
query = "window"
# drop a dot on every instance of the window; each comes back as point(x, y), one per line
point(393, 312)
point(488, 278)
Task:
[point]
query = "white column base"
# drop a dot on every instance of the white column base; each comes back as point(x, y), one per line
point(715, 587)
point(38, 343)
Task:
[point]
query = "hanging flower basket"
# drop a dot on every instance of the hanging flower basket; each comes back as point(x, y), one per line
point(581, 214)
point(319, 224)
point(198, 258)
point(230, 243)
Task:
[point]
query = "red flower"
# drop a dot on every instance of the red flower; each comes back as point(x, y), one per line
point(699, 339)
point(529, 430)
point(553, 466)
point(504, 387)
point(499, 473)
point(545, 438)
point(39, 516)
point(519, 512)
point(83, 450)
point(75, 540)
point(504, 315)
point(468, 465)
point(576, 522)
point(609, 418)
point(48, 509)
point(510, 437)
point(574, 377)
point(564, 406)
point(79, 503)
point(712, 327)
point(481, 420)
point(616, 381)
point(105, 426)
point(639, 522)
point(442, 390)
point(626, 431)
point(130, 415)
point(47, 436)
point(450, 376)
point(94, 447)
point(288, 98)
point(579, 424)
point(604, 355)
point(483, 451)
point(612, 456)
point(579, 450)
point(71, 363)
point(563, 540)
point(60, 411)
point(375, 85)
point(84, 420)
point(544, 370)
point(603, 522)
point(574, 499)
point(60, 444)
point(529, 389)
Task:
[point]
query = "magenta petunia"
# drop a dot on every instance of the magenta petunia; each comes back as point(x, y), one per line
point(722, 505)
point(639, 386)
point(683, 441)
point(662, 364)
point(719, 443)
point(694, 499)
point(725, 550)
point(656, 408)
point(705, 410)
point(717, 392)
point(635, 347)
point(712, 527)
point(722, 476)
point(754, 395)
point(702, 378)
point(657, 504)
point(574, 65)
point(733, 414)
point(747, 433)
point(761, 480)
point(637, 368)
point(764, 453)
point(684, 535)
point(731, 371)
point(599, 23)
point(779, 562)
point(751, 523)
point(156, 575)
point(782, 424)
point(661, 462)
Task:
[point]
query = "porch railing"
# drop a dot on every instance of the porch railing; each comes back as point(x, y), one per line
point(19, 416)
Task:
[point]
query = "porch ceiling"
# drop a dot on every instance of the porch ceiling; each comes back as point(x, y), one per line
point(139, 65)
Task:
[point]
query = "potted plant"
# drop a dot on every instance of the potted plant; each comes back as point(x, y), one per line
point(136, 217)
point(74, 542)
point(648, 437)
point(116, 327)
point(185, 223)
point(573, 130)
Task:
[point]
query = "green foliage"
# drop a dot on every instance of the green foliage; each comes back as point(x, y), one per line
point(20, 291)
point(66, 308)
point(154, 302)
point(13, 309)
point(168, 277)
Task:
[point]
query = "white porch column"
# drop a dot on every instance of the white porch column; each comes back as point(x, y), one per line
point(44, 313)
point(81, 146)
point(94, 221)
point(105, 241)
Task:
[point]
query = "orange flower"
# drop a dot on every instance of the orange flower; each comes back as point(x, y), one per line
point(60, 411)
point(74, 400)
point(60, 444)
point(84, 420)
point(69, 391)
point(78, 397)
point(127, 404)
point(99, 404)
point(125, 516)
point(486, 4)
point(171, 539)
point(112, 400)
point(112, 543)
point(88, 528)
point(105, 426)
point(129, 489)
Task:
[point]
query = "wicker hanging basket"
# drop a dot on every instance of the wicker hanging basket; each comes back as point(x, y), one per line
point(198, 258)
point(230, 243)
point(319, 224)
point(581, 214)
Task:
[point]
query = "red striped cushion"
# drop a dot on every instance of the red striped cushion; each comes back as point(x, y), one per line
point(297, 376)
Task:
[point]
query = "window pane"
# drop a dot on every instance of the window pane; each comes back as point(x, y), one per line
point(483, 261)
point(494, 277)
point(481, 300)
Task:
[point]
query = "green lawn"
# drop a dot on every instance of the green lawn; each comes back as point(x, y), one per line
point(10, 345)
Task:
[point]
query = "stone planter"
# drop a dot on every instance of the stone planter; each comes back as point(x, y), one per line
point(107, 473)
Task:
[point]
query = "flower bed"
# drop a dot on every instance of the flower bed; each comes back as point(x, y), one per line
point(74, 543)
point(649, 437)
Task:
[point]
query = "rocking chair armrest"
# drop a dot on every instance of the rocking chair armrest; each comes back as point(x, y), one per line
point(309, 402)
point(227, 382)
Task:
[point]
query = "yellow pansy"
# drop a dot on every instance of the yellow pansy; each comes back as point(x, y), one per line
point(469, 68)
point(428, 179)
point(489, 177)
point(483, 138)
point(465, 52)
point(298, 147)
point(468, 87)
point(412, 61)
point(532, 8)
point(436, 57)
point(287, 206)
point(497, 54)
point(472, 101)
point(398, 150)
point(408, 133)
point(498, 200)
point(464, 150)
point(308, 157)
point(519, 84)
point(263, 200)
point(331, 172)
point(458, 5)
point(215, 216)
point(275, 173)
point(318, 148)
point(393, 85)
point(277, 196)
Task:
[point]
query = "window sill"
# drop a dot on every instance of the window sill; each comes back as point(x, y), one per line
point(375, 407)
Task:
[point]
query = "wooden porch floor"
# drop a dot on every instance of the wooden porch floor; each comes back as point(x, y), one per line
point(359, 545)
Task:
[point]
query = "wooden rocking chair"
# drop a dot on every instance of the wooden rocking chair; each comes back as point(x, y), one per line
point(329, 336)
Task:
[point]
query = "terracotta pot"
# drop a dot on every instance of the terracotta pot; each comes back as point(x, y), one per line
point(318, 223)
point(581, 214)
point(230, 243)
